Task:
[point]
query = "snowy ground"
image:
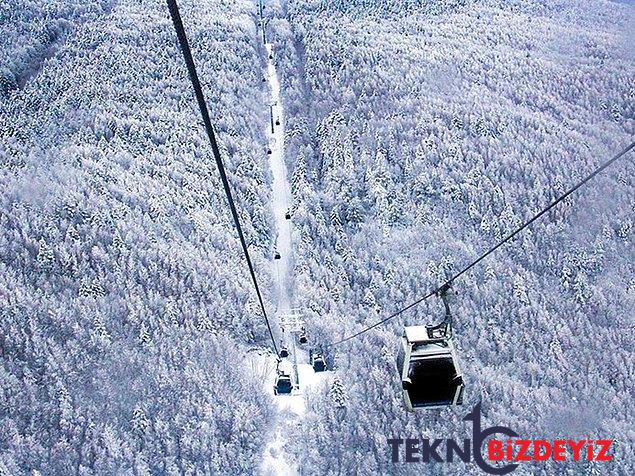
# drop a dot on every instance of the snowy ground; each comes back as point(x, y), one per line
point(290, 407)
point(281, 189)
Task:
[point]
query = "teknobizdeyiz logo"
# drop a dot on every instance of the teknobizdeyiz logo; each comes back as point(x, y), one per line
point(512, 449)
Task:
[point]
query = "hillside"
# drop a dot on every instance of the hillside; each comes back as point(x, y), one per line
point(125, 303)
point(379, 146)
point(420, 134)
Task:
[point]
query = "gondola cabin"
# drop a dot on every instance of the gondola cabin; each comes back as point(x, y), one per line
point(317, 362)
point(284, 352)
point(287, 214)
point(283, 384)
point(276, 255)
point(303, 339)
point(430, 372)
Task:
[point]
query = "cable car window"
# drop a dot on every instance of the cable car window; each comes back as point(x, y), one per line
point(433, 382)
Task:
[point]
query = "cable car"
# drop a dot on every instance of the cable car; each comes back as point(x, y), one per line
point(287, 214)
point(317, 362)
point(430, 373)
point(283, 383)
point(268, 151)
point(270, 56)
point(302, 339)
point(276, 255)
point(278, 122)
point(284, 351)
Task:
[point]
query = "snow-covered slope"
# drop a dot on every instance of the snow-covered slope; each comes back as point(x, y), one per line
point(415, 135)
point(419, 134)
point(124, 299)
point(291, 407)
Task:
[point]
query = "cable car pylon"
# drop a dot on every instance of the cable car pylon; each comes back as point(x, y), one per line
point(292, 324)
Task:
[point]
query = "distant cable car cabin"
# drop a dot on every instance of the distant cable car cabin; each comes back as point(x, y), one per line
point(287, 214)
point(430, 372)
point(277, 121)
point(303, 339)
point(284, 351)
point(317, 362)
point(268, 151)
point(283, 383)
point(276, 255)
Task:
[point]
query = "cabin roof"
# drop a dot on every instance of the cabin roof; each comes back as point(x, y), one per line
point(416, 333)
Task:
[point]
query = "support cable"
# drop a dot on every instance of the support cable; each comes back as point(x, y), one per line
point(509, 237)
point(191, 68)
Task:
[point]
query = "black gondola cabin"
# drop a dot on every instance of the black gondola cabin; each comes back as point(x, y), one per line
point(430, 372)
point(283, 384)
point(317, 361)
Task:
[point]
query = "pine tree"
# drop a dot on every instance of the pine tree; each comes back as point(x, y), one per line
point(85, 288)
point(171, 312)
point(117, 241)
point(369, 299)
point(299, 175)
point(520, 290)
point(45, 256)
point(100, 327)
point(144, 335)
point(337, 393)
point(335, 218)
point(65, 406)
point(205, 323)
point(140, 422)
point(69, 265)
point(457, 121)
point(354, 211)
point(335, 293)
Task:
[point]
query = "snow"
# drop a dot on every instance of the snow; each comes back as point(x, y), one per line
point(414, 136)
point(139, 212)
point(281, 189)
point(422, 135)
point(291, 407)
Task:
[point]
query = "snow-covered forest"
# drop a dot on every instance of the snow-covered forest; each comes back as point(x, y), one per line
point(418, 134)
point(124, 302)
